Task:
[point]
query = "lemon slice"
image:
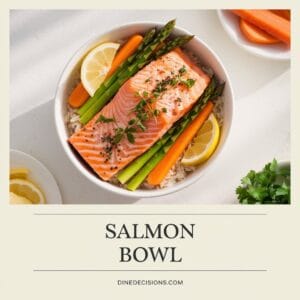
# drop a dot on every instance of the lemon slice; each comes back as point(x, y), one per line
point(21, 173)
point(16, 199)
point(203, 144)
point(96, 65)
point(27, 189)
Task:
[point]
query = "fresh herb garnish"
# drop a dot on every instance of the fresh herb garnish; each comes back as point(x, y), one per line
point(144, 110)
point(119, 133)
point(104, 119)
point(132, 122)
point(182, 70)
point(162, 85)
point(172, 81)
point(130, 137)
point(269, 186)
point(156, 94)
point(156, 112)
point(140, 125)
point(188, 83)
point(145, 94)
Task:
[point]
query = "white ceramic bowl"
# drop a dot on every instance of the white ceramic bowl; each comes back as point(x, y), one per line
point(66, 83)
point(230, 22)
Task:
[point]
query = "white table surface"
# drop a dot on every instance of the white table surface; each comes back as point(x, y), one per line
point(41, 43)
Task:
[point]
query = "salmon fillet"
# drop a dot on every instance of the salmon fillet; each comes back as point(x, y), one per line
point(94, 141)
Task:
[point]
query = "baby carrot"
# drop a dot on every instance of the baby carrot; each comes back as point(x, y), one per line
point(273, 24)
point(128, 49)
point(285, 13)
point(255, 34)
point(162, 168)
point(78, 96)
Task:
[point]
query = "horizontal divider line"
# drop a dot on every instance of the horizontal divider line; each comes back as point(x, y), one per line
point(150, 214)
point(150, 270)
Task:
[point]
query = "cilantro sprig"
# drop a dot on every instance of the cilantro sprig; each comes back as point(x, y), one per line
point(269, 186)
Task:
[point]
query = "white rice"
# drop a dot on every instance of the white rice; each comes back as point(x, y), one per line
point(72, 120)
point(178, 172)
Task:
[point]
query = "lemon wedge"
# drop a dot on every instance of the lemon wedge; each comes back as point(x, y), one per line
point(27, 189)
point(203, 144)
point(96, 65)
point(20, 173)
point(16, 199)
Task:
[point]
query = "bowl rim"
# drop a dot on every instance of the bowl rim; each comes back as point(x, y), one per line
point(151, 193)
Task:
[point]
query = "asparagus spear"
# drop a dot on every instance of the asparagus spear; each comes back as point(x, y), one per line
point(177, 42)
point(149, 36)
point(136, 181)
point(212, 91)
point(123, 75)
point(143, 172)
point(143, 56)
point(169, 46)
point(134, 167)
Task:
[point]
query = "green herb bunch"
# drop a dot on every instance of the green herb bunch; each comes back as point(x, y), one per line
point(269, 186)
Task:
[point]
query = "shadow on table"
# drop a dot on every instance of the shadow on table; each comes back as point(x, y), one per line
point(34, 133)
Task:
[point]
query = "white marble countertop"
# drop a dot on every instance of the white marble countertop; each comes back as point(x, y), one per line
point(41, 43)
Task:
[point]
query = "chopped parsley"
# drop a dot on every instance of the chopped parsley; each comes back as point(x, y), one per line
point(182, 70)
point(156, 94)
point(105, 120)
point(269, 186)
point(132, 122)
point(156, 112)
point(145, 94)
point(189, 82)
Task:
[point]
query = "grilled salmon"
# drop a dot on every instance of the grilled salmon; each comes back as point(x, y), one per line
point(143, 109)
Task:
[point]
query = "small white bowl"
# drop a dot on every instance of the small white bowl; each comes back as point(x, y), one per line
point(230, 22)
point(66, 83)
point(37, 173)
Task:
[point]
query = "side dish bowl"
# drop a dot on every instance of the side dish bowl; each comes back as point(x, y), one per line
point(230, 22)
point(38, 173)
point(71, 71)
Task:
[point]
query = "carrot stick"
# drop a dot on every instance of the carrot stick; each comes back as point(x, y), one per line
point(277, 26)
point(78, 96)
point(161, 170)
point(128, 49)
point(284, 13)
point(255, 34)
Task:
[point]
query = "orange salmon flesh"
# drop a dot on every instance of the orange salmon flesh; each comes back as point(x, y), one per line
point(91, 142)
